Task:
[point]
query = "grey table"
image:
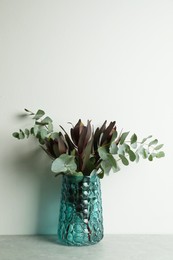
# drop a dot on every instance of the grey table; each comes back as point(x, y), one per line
point(112, 247)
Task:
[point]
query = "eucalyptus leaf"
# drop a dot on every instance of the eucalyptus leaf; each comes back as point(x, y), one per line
point(145, 139)
point(101, 174)
point(116, 169)
point(150, 157)
point(64, 163)
point(112, 161)
point(41, 141)
point(144, 153)
point(102, 153)
point(132, 155)
point(54, 135)
point(106, 166)
point(134, 145)
point(160, 154)
point(32, 130)
point(113, 148)
point(46, 120)
point(27, 132)
point(21, 134)
point(123, 137)
point(133, 139)
point(58, 166)
point(50, 127)
point(155, 141)
point(122, 149)
point(124, 159)
point(16, 135)
point(36, 130)
point(158, 147)
point(114, 136)
point(43, 133)
point(39, 114)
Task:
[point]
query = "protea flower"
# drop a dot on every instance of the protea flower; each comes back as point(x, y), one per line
point(56, 147)
point(104, 135)
point(82, 137)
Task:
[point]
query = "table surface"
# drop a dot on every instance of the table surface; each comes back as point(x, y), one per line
point(112, 247)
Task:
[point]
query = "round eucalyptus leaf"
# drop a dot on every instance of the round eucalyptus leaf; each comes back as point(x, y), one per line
point(150, 157)
point(132, 155)
point(160, 154)
point(21, 134)
point(133, 139)
point(155, 141)
point(158, 147)
point(124, 159)
point(16, 135)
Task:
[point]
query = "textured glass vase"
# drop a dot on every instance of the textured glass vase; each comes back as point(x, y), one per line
point(80, 219)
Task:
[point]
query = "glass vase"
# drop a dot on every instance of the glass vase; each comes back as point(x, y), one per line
point(80, 219)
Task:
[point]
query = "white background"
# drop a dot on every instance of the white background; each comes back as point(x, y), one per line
point(92, 60)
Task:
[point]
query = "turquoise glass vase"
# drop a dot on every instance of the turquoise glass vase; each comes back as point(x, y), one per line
point(80, 219)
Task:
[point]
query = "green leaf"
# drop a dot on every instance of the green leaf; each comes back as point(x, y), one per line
point(54, 135)
point(50, 127)
point(143, 152)
point(102, 153)
point(106, 166)
point(113, 148)
point(21, 134)
point(116, 169)
point(150, 157)
point(158, 146)
point(46, 120)
point(122, 149)
point(36, 130)
point(124, 159)
point(123, 137)
point(112, 161)
point(155, 141)
point(134, 145)
point(101, 174)
point(27, 132)
point(58, 166)
point(43, 133)
point(32, 130)
point(160, 154)
point(133, 139)
point(41, 141)
point(145, 139)
point(114, 136)
point(108, 162)
point(64, 163)
point(39, 114)
point(16, 135)
point(132, 155)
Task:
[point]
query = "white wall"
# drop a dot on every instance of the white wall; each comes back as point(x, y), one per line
point(92, 60)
